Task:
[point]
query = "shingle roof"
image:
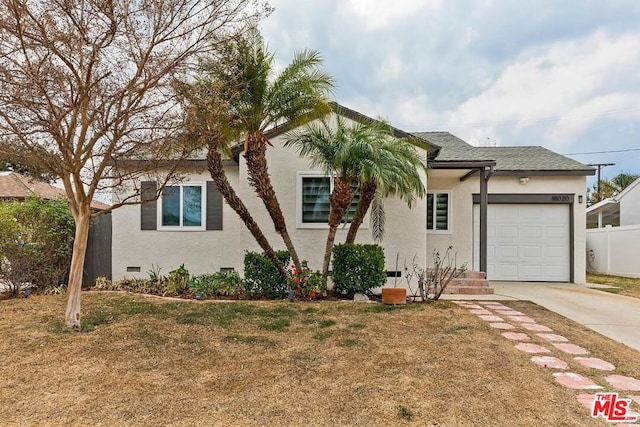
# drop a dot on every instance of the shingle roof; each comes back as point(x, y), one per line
point(14, 185)
point(515, 158)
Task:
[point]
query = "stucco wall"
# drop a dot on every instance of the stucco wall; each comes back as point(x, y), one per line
point(208, 251)
point(199, 251)
point(461, 237)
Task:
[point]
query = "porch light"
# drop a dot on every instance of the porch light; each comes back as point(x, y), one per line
point(524, 180)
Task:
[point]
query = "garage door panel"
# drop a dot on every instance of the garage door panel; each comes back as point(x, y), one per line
point(530, 252)
point(525, 242)
point(507, 252)
point(507, 232)
point(531, 271)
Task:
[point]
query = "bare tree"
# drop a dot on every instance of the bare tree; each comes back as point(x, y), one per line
point(88, 83)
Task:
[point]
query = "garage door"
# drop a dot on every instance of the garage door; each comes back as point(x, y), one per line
point(525, 242)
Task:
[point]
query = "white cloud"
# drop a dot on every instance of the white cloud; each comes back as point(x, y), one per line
point(379, 14)
point(564, 89)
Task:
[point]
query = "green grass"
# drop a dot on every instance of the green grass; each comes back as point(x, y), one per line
point(326, 323)
point(277, 325)
point(628, 286)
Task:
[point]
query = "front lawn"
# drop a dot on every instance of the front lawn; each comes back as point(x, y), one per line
point(624, 285)
point(145, 361)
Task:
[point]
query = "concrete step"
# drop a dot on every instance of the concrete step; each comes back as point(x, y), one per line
point(474, 274)
point(463, 281)
point(469, 290)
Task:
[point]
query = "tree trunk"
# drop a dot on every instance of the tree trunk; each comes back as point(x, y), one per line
point(367, 194)
point(82, 221)
point(214, 164)
point(340, 200)
point(259, 178)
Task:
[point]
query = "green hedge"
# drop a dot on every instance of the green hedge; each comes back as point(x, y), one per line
point(358, 268)
point(262, 278)
point(36, 242)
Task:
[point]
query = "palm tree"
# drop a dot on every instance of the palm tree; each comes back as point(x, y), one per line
point(399, 175)
point(360, 154)
point(262, 100)
point(208, 124)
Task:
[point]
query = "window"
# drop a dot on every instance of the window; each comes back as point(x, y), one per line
point(438, 211)
point(182, 207)
point(313, 195)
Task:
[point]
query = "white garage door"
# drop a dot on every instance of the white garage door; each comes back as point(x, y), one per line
point(525, 242)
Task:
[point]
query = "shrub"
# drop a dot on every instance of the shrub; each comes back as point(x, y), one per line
point(177, 283)
point(262, 278)
point(36, 242)
point(218, 284)
point(306, 284)
point(357, 268)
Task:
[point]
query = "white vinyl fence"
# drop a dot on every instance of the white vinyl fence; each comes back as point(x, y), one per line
point(614, 250)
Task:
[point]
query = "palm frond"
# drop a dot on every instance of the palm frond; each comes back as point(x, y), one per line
point(378, 218)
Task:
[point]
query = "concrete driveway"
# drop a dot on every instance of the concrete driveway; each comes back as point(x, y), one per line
point(614, 316)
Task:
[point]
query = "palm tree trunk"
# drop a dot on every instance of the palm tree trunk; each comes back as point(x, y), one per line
point(255, 155)
point(214, 164)
point(82, 218)
point(340, 200)
point(367, 194)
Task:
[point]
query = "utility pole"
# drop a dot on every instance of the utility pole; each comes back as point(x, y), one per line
point(600, 166)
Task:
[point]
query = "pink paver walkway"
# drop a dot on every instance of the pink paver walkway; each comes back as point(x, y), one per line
point(550, 362)
point(491, 318)
point(553, 337)
point(515, 336)
point(620, 382)
point(570, 348)
point(501, 325)
point(575, 381)
point(521, 319)
point(509, 312)
point(595, 363)
point(479, 311)
point(536, 327)
point(532, 348)
point(586, 400)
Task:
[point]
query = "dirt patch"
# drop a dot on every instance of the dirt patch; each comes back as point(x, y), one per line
point(150, 362)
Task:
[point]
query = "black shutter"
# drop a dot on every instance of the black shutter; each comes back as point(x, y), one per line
point(214, 207)
point(149, 206)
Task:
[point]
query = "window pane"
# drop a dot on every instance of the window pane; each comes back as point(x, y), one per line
point(315, 199)
point(429, 211)
point(192, 206)
point(171, 205)
point(442, 211)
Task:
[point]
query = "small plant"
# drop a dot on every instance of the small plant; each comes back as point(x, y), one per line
point(406, 413)
point(306, 284)
point(262, 278)
point(177, 283)
point(358, 268)
point(222, 284)
point(432, 282)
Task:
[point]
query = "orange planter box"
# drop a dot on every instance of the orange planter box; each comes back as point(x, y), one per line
point(394, 296)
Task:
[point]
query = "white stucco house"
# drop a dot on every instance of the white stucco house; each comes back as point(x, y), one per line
point(517, 213)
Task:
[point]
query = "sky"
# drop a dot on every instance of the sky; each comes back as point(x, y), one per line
point(564, 75)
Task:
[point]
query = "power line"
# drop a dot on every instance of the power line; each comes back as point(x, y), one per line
point(602, 152)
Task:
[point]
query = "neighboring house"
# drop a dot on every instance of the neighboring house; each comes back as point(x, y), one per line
point(621, 209)
point(15, 186)
point(515, 212)
point(614, 233)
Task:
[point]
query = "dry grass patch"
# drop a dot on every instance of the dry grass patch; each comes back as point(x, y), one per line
point(625, 359)
point(628, 286)
point(149, 362)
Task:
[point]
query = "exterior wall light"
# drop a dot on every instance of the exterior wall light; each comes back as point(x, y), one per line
point(524, 180)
